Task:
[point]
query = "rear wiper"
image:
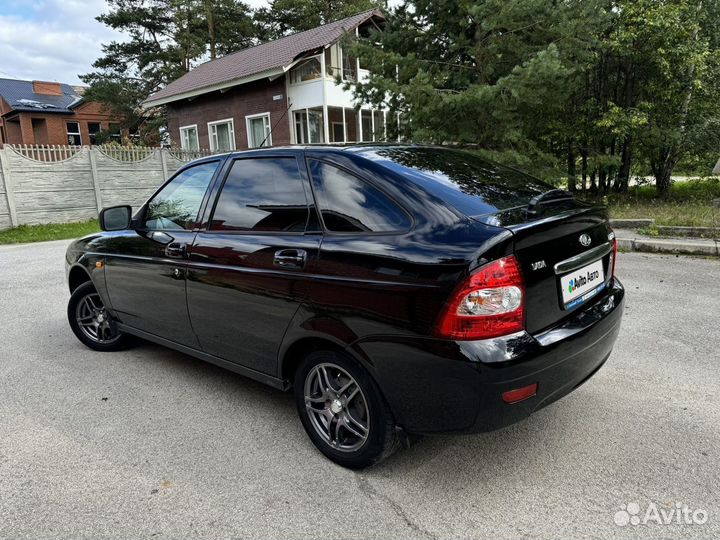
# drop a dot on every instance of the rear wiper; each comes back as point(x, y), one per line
point(553, 195)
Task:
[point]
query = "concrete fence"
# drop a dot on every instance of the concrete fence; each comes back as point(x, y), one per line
point(63, 184)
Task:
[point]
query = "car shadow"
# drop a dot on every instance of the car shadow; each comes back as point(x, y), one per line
point(484, 457)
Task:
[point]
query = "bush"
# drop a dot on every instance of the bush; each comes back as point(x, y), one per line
point(694, 190)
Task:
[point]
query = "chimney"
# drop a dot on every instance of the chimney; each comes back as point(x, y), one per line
point(47, 88)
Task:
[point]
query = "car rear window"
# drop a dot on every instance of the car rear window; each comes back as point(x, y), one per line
point(469, 183)
point(348, 204)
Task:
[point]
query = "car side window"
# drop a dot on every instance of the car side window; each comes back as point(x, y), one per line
point(262, 194)
point(176, 206)
point(349, 204)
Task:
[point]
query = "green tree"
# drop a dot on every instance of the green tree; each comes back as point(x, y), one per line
point(164, 40)
point(599, 85)
point(228, 24)
point(493, 73)
point(680, 96)
point(283, 17)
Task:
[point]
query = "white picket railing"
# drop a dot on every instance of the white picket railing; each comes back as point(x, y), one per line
point(126, 153)
point(45, 152)
point(53, 153)
point(189, 155)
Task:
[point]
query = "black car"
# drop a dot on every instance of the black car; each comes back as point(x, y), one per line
point(396, 289)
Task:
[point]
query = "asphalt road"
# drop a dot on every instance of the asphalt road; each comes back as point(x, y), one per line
point(152, 443)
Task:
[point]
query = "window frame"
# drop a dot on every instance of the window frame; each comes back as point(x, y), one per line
point(182, 139)
point(91, 133)
point(364, 180)
point(300, 64)
point(114, 135)
point(306, 185)
point(141, 217)
point(268, 129)
point(332, 130)
point(303, 131)
point(68, 132)
point(214, 123)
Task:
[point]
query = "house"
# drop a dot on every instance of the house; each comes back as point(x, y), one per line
point(276, 93)
point(38, 112)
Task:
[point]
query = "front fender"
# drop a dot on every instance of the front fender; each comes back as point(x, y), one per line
point(91, 264)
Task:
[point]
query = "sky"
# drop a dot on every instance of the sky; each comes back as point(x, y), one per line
point(53, 40)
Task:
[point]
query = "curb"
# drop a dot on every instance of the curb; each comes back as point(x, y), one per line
point(631, 223)
point(672, 246)
point(693, 232)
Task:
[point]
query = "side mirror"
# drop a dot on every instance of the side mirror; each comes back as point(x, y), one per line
point(115, 218)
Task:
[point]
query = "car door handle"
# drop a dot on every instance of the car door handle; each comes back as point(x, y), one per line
point(176, 250)
point(290, 258)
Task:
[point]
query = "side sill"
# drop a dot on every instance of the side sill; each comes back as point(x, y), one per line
point(264, 378)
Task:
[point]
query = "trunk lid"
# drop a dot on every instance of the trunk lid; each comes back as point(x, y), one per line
point(548, 247)
point(546, 222)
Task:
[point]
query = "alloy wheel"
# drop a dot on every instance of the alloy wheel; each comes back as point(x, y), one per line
point(337, 407)
point(94, 320)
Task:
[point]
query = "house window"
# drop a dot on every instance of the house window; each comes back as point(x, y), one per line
point(73, 133)
point(114, 130)
point(312, 133)
point(222, 135)
point(349, 64)
point(366, 120)
point(339, 63)
point(189, 138)
point(338, 132)
point(94, 129)
point(306, 71)
point(258, 130)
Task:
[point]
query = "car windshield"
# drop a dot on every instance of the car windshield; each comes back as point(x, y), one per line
point(471, 184)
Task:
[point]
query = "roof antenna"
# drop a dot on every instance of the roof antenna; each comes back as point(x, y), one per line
point(262, 144)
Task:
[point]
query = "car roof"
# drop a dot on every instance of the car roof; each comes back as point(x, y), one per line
point(356, 148)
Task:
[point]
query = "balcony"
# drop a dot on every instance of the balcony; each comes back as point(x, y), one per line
point(322, 110)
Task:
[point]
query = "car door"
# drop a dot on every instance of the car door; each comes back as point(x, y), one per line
point(247, 270)
point(145, 267)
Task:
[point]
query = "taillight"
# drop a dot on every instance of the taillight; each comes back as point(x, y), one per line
point(489, 303)
point(613, 257)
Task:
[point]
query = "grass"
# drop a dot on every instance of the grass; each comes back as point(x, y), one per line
point(689, 204)
point(51, 231)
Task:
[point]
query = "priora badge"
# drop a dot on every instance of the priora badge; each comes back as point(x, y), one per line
point(585, 240)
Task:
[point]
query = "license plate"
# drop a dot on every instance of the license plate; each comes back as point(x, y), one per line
point(582, 284)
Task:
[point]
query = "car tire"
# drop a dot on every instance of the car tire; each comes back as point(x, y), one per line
point(91, 323)
point(336, 398)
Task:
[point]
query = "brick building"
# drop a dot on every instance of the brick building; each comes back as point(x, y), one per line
point(279, 92)
point(37, 112)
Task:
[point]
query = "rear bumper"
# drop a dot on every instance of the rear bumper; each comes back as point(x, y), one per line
point(437, 386)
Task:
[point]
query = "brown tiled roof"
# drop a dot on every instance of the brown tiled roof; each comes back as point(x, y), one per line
point(272, 55)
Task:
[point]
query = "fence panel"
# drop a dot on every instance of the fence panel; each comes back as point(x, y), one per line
point(51, 191)
point(5, 219)
point(53, 184)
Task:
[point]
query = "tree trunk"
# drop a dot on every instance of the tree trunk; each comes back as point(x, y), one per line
point(664, 168)
point(571, 169)
point(663, 181)
point(212, 38)
point(584, 167)
point(623, 178)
